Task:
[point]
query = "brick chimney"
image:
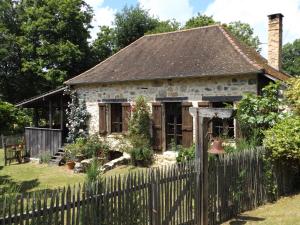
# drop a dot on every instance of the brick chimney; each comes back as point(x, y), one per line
point(275, 40)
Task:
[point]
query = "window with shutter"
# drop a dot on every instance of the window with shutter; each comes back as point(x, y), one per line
point(126, 112)
point(102, 118)
point(187, 125)
point(157, 125)
point(116, 117)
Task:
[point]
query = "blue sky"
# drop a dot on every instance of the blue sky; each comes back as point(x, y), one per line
point(253, 12)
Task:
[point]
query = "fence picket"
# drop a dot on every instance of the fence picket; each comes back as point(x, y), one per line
point(158, 196)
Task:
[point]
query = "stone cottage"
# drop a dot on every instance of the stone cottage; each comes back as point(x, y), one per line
point(201, 67)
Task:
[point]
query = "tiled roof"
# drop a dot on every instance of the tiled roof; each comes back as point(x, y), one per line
point(198, 52)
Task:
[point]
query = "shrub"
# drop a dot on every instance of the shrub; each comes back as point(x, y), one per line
point(292, 94)
point(141, 155)
point(283, 140)
point(94, 146)
point(73, 149)
point(93, 171)
point(77, 117)
point(45, 157)
point(185, 154)
point(89, 147)
point(258, 113)
point(139, 132)
point(12, 119)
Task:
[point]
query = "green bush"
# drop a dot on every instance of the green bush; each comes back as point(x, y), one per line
point(89, 147)
point(141, 155)
point(45, 157)
point(283, 140)
point(258, 113)
point(94, 146)
point(73, 149)
point(12, 119)
point(93, 171)
point(185, 154)
point(139, 133)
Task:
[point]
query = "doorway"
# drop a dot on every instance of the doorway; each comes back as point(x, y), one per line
point(173, 124)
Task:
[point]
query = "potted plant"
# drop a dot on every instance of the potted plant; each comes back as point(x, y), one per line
point(70, 160)
point(72, 154)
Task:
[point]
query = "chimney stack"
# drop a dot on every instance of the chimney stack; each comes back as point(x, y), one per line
point(275, 40)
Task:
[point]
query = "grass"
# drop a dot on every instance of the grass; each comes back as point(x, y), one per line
point(285, 211)
point(33, 176)
point(123, 170)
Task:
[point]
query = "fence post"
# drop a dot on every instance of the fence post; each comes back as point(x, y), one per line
point(153, 198)
point(4, 149)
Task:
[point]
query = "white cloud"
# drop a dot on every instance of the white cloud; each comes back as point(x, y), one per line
point(255, 13)
point(102, 16)
point(181, 10)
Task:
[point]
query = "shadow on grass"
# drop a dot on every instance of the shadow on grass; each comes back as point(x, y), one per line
point(7, 185)
point(240, 220)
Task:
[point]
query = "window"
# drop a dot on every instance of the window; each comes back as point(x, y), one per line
point(222, 127)
point(116, 117)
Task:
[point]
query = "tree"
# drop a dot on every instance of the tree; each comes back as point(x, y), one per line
point(54, 38)
point(283, 141)
point(242, 31)
point(292, 94)
point(105, 44)
point(245, 33)
point(132, 23)
point(291, 58)
point(42, 43)
point(258, 113)
point(12, 119)
point(165, 26)
point(199, 21)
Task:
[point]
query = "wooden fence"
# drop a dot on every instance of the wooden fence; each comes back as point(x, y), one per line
point(157, 196)
point(165, 196)
point(41, 140)
point(11, 139)
point(239, 182)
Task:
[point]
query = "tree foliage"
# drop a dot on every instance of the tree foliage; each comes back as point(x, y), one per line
point(291, 58)
point(258, 113)
point(105, 43)
point(199, 21)
point(165, 26)
point(42, 43)
point(132, 23)
point(54, 38)
point(292, 94)
point(245, 33)
point(12, 119)
point(283, 140)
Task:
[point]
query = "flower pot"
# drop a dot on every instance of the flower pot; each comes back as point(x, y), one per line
point(70, 165)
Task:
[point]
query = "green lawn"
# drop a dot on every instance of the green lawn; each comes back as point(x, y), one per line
point(33, 176)
point(286, 211)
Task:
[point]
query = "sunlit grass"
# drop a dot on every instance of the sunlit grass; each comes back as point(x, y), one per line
point(285, 211)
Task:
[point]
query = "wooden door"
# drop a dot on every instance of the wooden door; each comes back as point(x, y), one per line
point(187, 125)
point(126, 111)
point(102, 118)
point(157, 125)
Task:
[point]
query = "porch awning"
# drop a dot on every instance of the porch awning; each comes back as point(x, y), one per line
point(40, 99)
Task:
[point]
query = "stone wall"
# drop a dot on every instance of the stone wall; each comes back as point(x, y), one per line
point(192, 88)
